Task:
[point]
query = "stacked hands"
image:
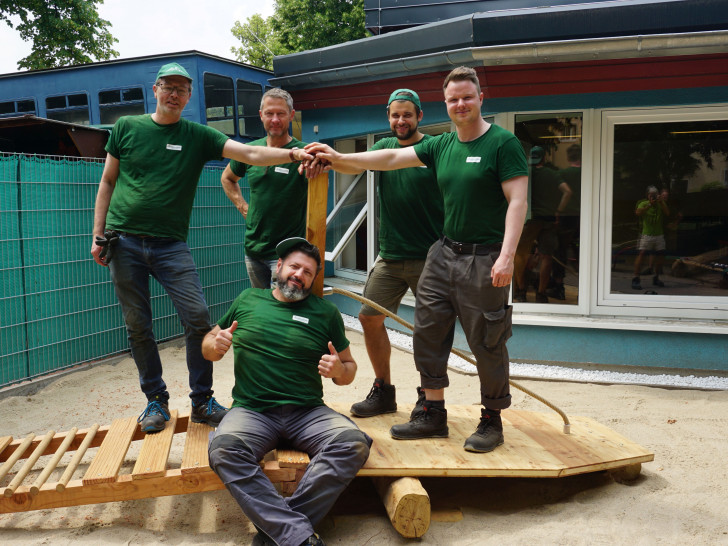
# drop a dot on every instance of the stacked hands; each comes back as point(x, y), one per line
point(316, 158)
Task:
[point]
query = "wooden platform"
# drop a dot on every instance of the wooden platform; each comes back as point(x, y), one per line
point(535, 446)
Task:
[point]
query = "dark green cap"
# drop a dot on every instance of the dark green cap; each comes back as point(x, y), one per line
point(405, 94)
point(173, 69)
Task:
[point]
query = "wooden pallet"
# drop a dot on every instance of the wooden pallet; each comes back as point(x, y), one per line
point(535, 447)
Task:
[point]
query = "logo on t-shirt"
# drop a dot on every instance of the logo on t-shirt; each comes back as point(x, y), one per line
point(175, 147)
point(472, 160)
point(282, 170)
point(300, 319)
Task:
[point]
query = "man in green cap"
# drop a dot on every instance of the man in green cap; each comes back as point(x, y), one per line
point(410, 220)
point(143, 209)
point(268, 218)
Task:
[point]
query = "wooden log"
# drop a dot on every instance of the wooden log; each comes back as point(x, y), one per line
point(407, 504)
point(626, 474)
point(5, 441)
point(80, 452)
point(53, 463)
point(26, 468)
point(318, 192)
point(17, 454)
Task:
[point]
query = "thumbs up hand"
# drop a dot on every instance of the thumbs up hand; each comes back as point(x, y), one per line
point(330, 365)
point(224, 338)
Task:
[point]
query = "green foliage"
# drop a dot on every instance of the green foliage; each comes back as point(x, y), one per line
point(259, 42)
point(298, 25)
point(63, 32)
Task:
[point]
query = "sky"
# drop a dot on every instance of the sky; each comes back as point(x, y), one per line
point(149, 27)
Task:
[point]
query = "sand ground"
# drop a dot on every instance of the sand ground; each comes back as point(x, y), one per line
point(680, 498)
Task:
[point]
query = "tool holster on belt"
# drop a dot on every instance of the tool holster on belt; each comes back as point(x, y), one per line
point(107, 244)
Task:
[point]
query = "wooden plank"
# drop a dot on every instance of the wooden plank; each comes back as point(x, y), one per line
point(152, 459)
point(290, 458)
point(194, 457)
point(107, 462)
point(276, 474)
point(318, 193)
point(77, 493)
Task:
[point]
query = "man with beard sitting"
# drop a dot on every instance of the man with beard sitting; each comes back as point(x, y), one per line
point(284, 341)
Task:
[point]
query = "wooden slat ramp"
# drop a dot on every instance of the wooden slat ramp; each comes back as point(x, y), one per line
point(535, 447)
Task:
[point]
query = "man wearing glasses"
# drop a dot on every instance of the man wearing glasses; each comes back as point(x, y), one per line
point(269, 218)
point(142, 214)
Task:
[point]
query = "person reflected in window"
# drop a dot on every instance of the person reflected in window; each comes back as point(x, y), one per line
point(549, 197)
point(652, 213)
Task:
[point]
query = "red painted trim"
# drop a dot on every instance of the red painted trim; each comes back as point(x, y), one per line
point(619, 75)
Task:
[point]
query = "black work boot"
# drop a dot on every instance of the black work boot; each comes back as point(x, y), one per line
point(420, 402)
point(489, 434)
point(431, 422)
point(381, 399)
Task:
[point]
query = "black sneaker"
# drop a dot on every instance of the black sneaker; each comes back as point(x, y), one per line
point(557, 292)
point(419, 404)
point(431, 422)
point(489, 434)
point(381, 399)
point(154, 416)
point(209, 412)
point(657, 282)
point(313, 540)
point(636, 285)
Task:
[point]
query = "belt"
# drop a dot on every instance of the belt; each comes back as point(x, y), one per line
point(139, 235)
point(470, 248)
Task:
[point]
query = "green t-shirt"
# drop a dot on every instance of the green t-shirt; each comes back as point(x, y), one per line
point(572, 176)
point(277, 347)
point(159, 169)
point(410, 209)
point(470, 175)
point(653, 220)
point(545, 192)
point(277, 206)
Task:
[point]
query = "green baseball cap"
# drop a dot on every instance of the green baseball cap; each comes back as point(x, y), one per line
point(405, 94)
point(173, 69)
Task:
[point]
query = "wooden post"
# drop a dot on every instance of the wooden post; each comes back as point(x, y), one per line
point(407, 504)
point(318, 192)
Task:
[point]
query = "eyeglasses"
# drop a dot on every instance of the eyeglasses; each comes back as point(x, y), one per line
point(182, 92)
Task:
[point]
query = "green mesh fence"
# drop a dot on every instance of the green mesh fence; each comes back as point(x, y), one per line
point(57, 307)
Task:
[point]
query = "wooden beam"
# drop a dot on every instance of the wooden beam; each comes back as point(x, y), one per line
point(407, 504)
point(318, 192)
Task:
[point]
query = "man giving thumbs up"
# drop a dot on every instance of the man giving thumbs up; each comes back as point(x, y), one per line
point(284, 341)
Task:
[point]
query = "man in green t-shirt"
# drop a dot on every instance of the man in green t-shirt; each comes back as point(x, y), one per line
point(410, 220)
point(142, 215)
point(482, 173)
point(268, 217)
point(652, 213)
point(284, 341)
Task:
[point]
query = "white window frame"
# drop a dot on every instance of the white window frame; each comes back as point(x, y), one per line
point(633, 305)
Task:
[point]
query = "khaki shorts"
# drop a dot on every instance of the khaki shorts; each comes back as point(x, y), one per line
point(388, 282)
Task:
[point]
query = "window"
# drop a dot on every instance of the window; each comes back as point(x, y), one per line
point(249, 96)
point(669, 209)
point(547, 260)
point(219, 103)
point(115, 103)
point(17, 107)
point(68, 108)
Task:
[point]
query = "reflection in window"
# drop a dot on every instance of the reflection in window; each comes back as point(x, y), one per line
point(69, 108)
point(17, 107)
point(670, 209)
point(115, 103)
point(249, 96)
point(547, 260)
point(219, 103)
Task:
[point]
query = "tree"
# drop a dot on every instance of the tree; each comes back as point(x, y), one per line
point(63, 32)
point(259, 43)
point(298, 25)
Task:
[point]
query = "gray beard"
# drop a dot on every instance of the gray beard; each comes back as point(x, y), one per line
point(292, 293)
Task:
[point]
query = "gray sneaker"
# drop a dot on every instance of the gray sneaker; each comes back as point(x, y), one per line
point(431, 422)
point(381, 399)
point(488, 435)
point(208, 412)
point(154, 416)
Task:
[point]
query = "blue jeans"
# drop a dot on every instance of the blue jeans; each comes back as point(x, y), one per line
point(262, 273)
point(336, 446)
point(170, 262)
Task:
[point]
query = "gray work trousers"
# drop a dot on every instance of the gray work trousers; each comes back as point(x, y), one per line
point(459, 285)
point(335, 445)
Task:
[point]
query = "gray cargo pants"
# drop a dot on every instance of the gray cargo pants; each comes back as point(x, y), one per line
point(459, 285)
